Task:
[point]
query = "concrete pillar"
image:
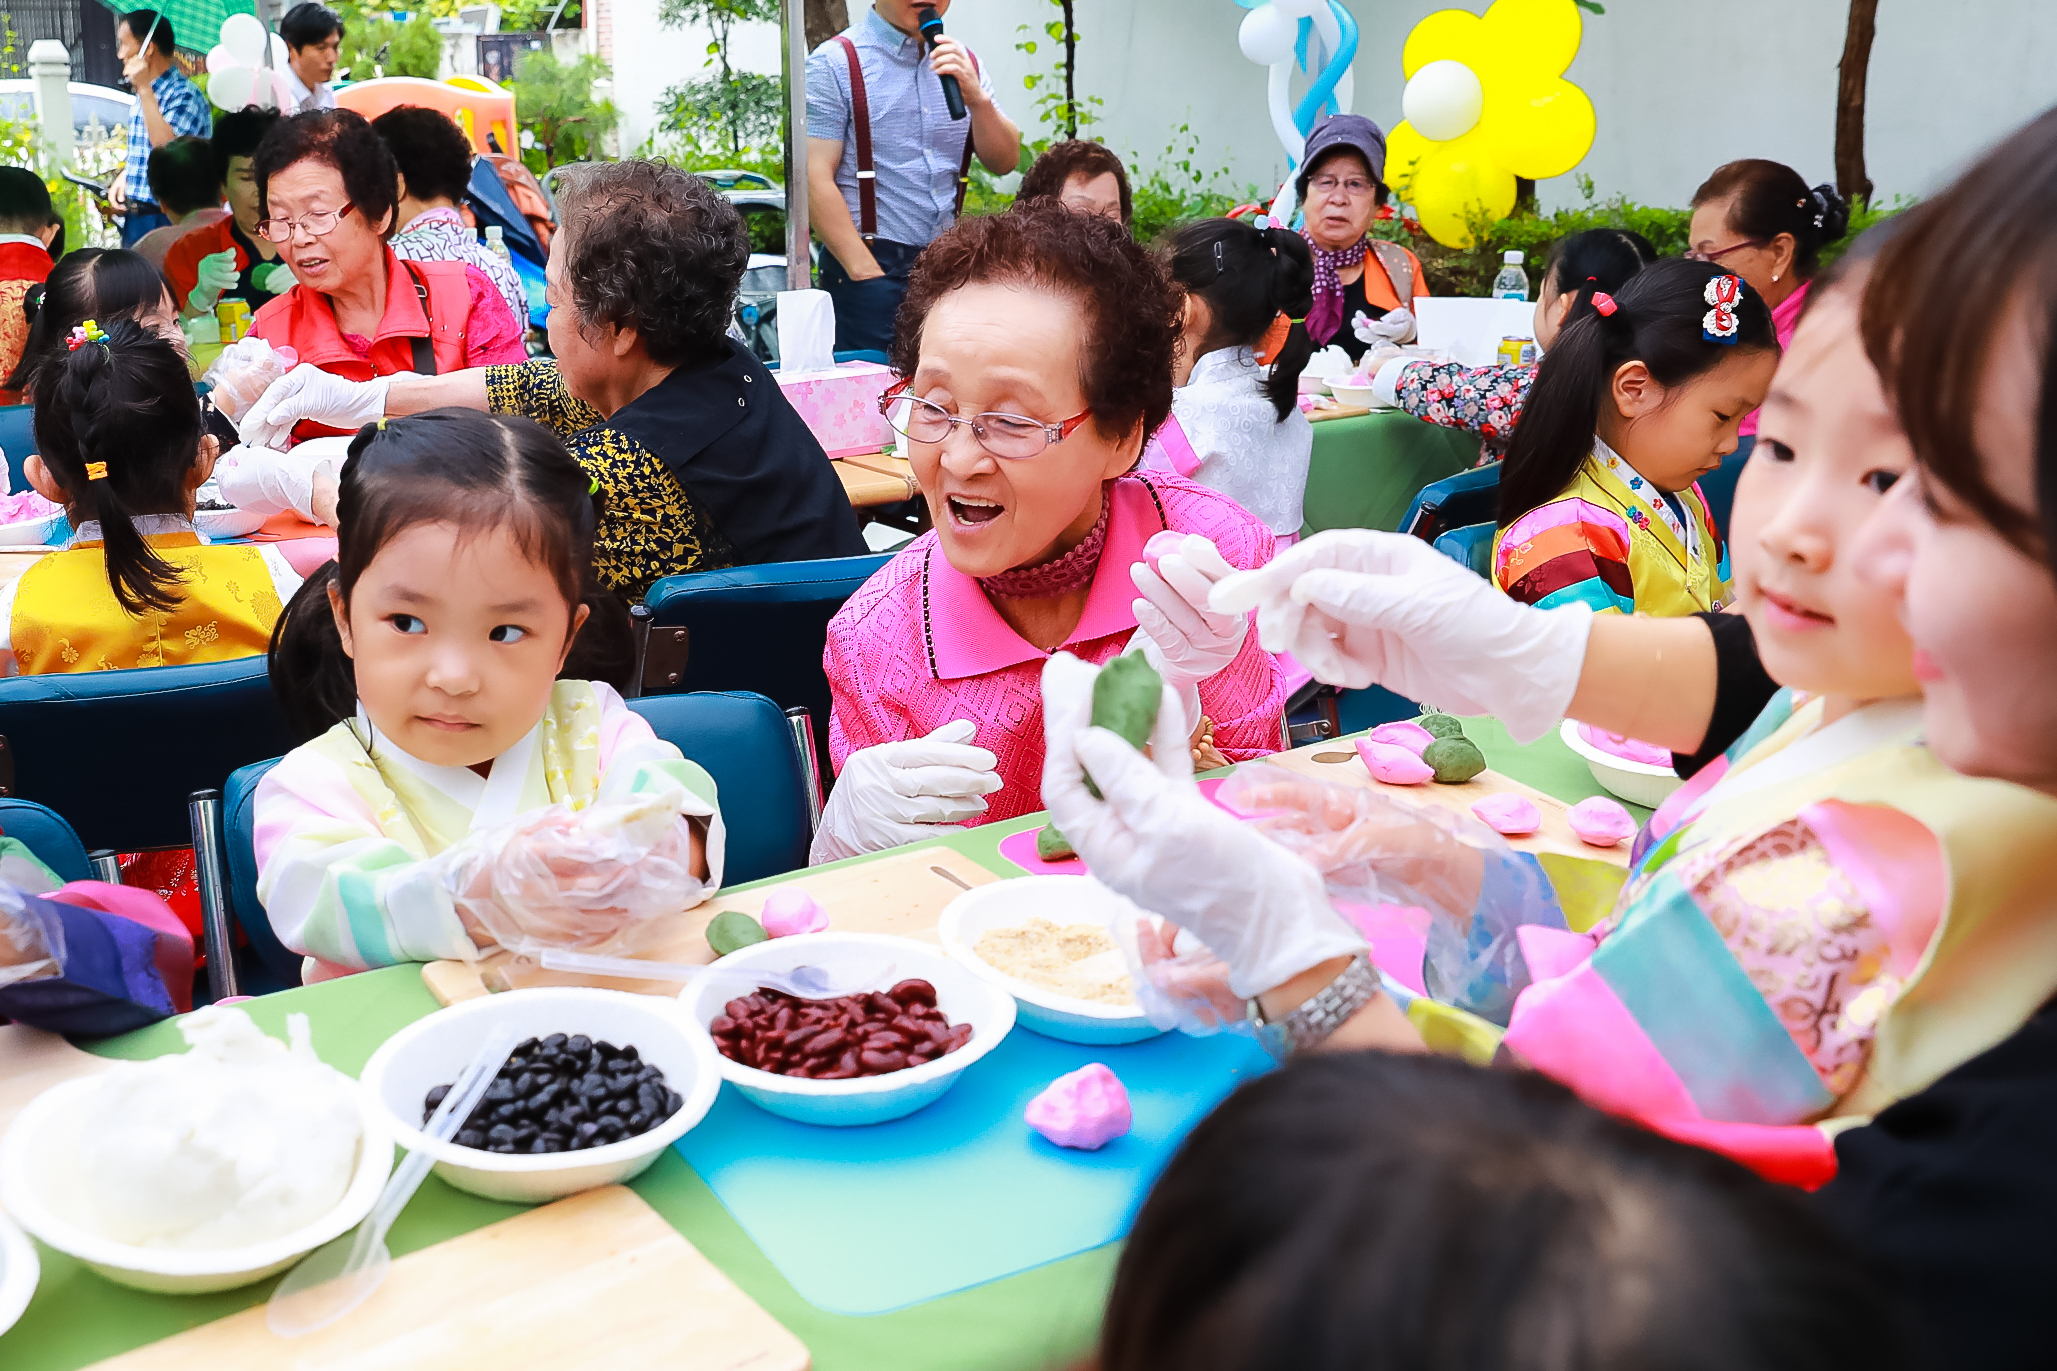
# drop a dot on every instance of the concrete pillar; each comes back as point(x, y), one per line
point(50, 69)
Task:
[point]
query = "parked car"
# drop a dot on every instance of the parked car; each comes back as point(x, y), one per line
point(90, 104)
point(762, 203)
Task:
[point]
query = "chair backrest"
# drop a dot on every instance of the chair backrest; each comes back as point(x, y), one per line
point(759, 628)
point(18, 440)
point(1469, 497)
point(239, 825)
point(1718, 487)
point(117, 753)
point(44, 832)
point(1471, 545)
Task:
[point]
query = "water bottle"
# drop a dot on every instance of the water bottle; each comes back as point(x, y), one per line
point(1512, 282)
point(496, 243)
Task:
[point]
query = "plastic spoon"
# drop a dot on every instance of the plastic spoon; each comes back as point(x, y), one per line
point(341, 1274)
point(802, 982)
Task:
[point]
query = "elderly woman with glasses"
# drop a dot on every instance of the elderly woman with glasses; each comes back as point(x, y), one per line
point(1364, 287)
point(326, 195)
point(1036, 353)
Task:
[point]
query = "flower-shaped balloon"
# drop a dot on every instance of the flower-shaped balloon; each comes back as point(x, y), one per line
point(1486, 101)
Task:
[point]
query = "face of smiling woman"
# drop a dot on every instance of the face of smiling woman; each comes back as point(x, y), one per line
point(1010, 349)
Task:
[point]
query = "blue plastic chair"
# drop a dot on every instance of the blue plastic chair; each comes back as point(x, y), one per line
point(18, 440)
point(44, 832)
point(1469, 497)
point(743, 740)
point(1719, 486)
point(759, 628)
point(1471, 545)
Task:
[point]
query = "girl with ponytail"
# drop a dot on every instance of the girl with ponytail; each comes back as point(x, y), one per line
point(1235, 423)
point(121, 446)
point(1641, 396)
point(1488, 400)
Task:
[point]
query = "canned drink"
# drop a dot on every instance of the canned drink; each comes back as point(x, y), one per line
point(1516, 350)
point(234, 316)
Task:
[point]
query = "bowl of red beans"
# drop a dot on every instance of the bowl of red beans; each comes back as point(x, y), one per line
point(904, 1024)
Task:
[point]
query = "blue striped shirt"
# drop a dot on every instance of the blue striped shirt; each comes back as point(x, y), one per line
point(184, 108)
point(916, 147)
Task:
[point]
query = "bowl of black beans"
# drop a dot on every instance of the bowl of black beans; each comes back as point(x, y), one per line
point(600, 1083)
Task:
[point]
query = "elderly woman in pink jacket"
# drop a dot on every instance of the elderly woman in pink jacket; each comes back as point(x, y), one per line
point(1035, 350)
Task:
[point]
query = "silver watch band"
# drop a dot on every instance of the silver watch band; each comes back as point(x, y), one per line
point(1313, 1022)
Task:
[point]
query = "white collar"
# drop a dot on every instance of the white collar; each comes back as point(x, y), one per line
point(493, 799)
point(1223, 364)
point(28, 238)
point(1874, 725)
point(145, 524)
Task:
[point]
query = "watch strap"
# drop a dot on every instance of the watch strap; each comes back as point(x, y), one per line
point(1315, 1021)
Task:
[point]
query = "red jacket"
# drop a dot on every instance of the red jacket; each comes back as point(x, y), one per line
point(21, 266)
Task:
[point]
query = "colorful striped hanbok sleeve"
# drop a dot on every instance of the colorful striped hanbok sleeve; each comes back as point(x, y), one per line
point(1569, 551)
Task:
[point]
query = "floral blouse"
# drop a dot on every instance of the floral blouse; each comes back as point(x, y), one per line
point(1484, 400)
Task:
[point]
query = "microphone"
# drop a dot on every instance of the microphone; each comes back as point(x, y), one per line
point(932, 29)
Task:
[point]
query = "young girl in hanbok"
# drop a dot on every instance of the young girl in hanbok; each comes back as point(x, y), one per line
point(1640, 397)
point(121, 447)
point(463, 797)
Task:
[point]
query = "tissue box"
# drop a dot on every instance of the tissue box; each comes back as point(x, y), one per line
point(841, 405)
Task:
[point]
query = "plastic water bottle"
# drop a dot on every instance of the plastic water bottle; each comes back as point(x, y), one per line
point(1512, 282)
point(496, 243)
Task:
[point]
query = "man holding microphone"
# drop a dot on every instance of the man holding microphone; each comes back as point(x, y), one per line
point(886, 162)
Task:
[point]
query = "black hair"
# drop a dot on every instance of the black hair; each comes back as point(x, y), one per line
point(24, 202)
point(459, 466)
point(1771, 198)
point(138, 23)
point(1379, 1211)
point(430, 150)
point(183, 176)
point(1599, 259)
point(1249, 276)
point(237, 133)
point(337, 138)
point(118, 425)
point(308, 23)
point(92, 283)
point(1656, 320)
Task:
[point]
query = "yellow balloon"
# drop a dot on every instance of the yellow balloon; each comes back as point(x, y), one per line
point(1537, 130)
point(1457, 181)
point(1541, 35)
point(1455, 34)
point(1405, 151)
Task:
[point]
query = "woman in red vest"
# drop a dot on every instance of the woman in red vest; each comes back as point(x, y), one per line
point(326, 195)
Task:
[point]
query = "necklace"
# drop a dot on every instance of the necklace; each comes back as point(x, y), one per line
point(1073, 571)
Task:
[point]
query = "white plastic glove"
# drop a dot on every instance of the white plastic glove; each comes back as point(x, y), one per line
point(267, 482)
point(308, 392)
point(897, 793)
point(1185, 640)
point(1358, 607)
point(1396, 327)
point(1154, 839)
point(212, 274)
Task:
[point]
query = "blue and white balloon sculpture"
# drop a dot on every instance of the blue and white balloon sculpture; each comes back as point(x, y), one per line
point(1318, 37)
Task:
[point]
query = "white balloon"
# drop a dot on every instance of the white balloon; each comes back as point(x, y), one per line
point(220, 58)
point(243, 36)
point(1443, 100)
point(1300, 9)
point(1267, 35)
point(231, 88)
point(279, 55)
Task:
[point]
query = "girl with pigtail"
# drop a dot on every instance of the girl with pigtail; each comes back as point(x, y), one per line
point(1235, 423)
point(121, 445)
point(1641, 396)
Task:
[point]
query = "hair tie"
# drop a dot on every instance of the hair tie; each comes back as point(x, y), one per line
point(96, 471)
point(592, 485)
point(381, 424)
point(1603, 303)
point(1720, 324)
point(87, 332)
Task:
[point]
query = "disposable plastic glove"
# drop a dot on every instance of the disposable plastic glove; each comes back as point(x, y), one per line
point(897, 793)
point(1397, 326)
point(275, 278)
point(1358, 607)
point(212, 274)
point(308, 392)
point(1154, 839)
point(267, 482)
point(1185, 640)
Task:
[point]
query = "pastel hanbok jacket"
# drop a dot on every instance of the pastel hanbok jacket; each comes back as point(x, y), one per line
point(348, 824)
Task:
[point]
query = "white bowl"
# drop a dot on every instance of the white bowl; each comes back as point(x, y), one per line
point(1061, 900)
point(965, 998)
point(227, 523)
point(1364, 397)
point(431, 1051)
point(30, 532)
point(164, 1270)
point(1637, 782)
point(19, 1271)
point(1311, 384)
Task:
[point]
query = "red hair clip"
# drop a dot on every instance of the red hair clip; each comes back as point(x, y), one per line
point(1720, 324)
point(1604, 303)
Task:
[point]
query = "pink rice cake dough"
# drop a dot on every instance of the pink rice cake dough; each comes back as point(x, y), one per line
point(1393, 764)
point(789, 910)
point(1601, 822)
point(1406, 733)
point(1628, 749)
point(1514, 816)
point(1085, 1109)
point(1162, 545)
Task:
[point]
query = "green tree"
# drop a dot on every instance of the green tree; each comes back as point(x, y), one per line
point(553, 102)
point(374, 46)
point(737, 110)
point(1059, 110)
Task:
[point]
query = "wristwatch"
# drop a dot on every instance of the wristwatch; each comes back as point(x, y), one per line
point(1311, 1024)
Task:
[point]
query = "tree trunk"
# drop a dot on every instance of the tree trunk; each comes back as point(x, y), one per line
point(1070, 73)
point(1850, 177)
point(825, 19)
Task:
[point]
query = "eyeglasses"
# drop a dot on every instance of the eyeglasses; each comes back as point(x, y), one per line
point(1356, 188)
point(320, 224)
point(1012, 436)
point(1694, 255)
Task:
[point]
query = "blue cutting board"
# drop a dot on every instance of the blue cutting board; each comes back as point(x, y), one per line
point(868, 1220)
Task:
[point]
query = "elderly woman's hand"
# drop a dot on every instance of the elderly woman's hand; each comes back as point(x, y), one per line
point(1184, 639)
point(308, 392)
point(899, 793)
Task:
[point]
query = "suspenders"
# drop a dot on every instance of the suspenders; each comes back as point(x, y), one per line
point(867, 177)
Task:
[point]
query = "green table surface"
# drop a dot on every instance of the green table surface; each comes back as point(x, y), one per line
point(1366, 470)
point(1043, 1318)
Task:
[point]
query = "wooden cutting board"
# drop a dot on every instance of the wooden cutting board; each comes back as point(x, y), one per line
point(1340, 763)
point(902, 894)
point(31, 1061)
point(596, 1281)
